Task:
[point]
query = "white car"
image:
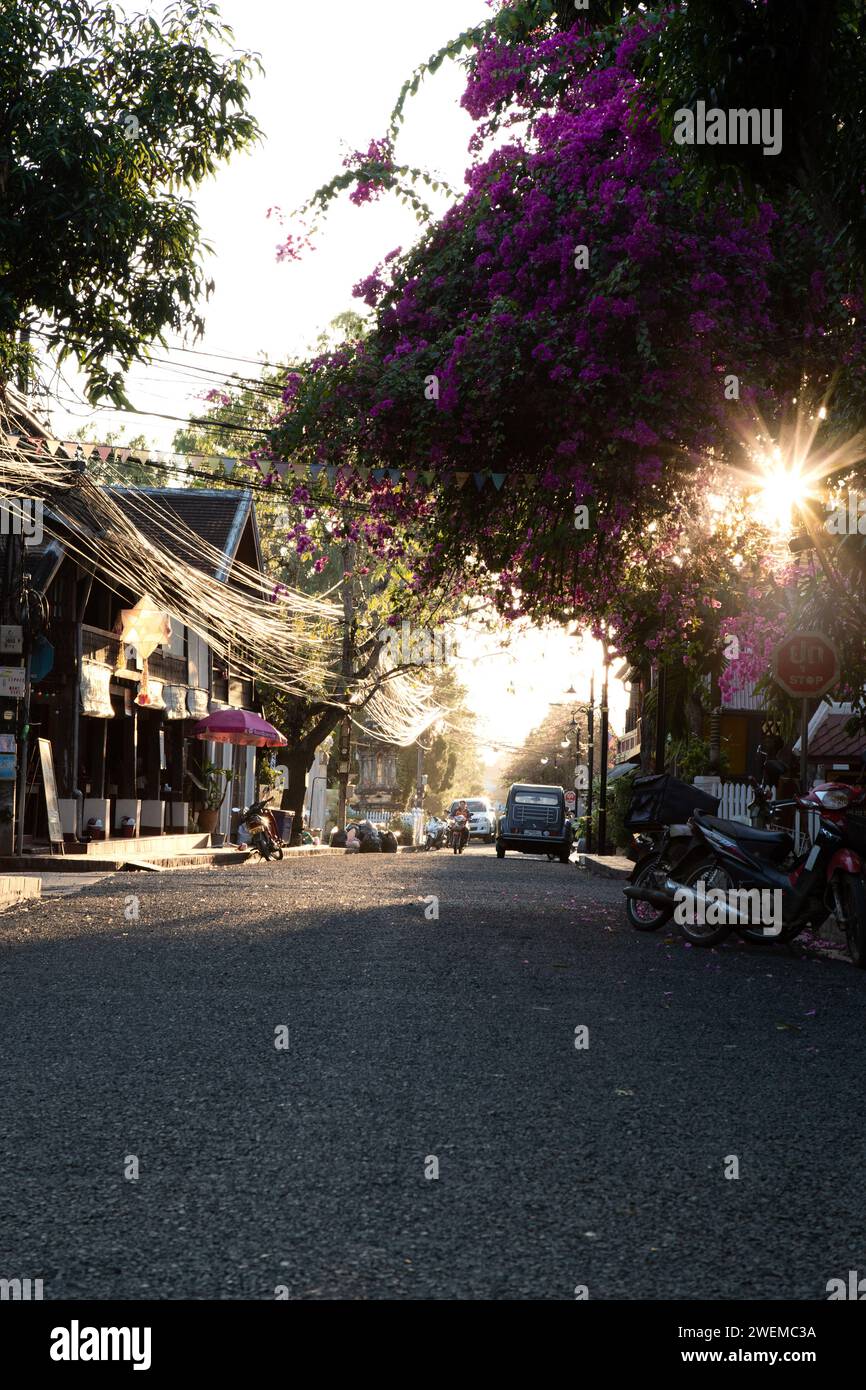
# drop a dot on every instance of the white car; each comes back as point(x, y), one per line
point(482, 818)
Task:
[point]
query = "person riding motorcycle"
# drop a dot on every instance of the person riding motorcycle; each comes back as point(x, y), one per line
point(462, 810)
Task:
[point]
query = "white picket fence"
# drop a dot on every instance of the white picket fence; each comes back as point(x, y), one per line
point(736, 798)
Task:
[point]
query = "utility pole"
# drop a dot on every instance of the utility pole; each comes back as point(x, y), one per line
point(661, 717)
point(419, 788)
point(419, 775)
point(602, 793)
point(590, 760)
point(346, 670)
point(24, 738)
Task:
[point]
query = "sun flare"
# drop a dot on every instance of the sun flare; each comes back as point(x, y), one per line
point(782, 488)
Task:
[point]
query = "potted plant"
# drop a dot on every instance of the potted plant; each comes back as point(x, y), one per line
point(213, 785)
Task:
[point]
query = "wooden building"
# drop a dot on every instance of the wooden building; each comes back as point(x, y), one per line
point(115, 760)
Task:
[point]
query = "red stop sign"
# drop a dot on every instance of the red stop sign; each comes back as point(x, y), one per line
point(806, 663)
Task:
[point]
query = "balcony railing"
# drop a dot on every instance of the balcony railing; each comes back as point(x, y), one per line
point(105, 647)
point(628, 745)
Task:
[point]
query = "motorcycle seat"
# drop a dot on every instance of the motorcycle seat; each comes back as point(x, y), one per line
point(770, 839)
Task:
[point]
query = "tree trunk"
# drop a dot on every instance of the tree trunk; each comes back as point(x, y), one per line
point(298, 761)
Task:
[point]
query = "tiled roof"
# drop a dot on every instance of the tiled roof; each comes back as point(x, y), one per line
point(216, 515)
point(831, 740)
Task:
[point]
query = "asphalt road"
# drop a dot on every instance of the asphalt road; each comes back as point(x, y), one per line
point(412, 1040)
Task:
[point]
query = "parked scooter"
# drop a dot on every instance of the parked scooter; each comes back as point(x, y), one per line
point(264, 836)
point(436, 833)
point(458, 833)
point(646, 902)
point(827, 878)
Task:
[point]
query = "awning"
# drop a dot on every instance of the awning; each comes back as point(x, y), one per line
point(94, 690)
point(620, 770)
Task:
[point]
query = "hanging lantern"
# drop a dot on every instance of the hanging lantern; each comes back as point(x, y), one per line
point(145, 627)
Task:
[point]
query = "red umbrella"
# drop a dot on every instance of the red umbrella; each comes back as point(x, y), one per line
point(239, 726)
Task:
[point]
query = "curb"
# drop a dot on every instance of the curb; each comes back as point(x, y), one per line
point(610, 867)
point(18, 888)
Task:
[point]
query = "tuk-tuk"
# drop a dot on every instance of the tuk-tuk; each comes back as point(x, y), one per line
point(535, 822)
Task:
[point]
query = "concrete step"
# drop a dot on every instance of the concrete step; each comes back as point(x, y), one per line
point(142, 846)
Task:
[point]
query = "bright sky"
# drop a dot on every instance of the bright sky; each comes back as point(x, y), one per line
point(511, 679)
point(331, 77)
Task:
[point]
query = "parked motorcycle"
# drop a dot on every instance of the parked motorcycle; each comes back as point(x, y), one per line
point(436, 833)
point(458, 833)
point(827, 878)
point(662, 852)
point(264, 836)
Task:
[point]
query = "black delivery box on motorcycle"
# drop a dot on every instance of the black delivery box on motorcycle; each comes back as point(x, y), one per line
point(661, 799)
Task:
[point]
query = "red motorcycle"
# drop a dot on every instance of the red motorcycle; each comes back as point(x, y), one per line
point(458, 832)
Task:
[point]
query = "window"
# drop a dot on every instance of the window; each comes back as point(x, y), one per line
point(536, 799)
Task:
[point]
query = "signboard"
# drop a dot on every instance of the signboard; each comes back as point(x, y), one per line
point(806, 664)
point(11, 639)
point(581, 778)
point(7, 743)
point(8, 767)
point(12, 682)
point(52, 805)
point(570, 800)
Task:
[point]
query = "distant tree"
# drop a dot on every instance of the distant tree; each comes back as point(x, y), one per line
point(542, 758)
point(107, 120)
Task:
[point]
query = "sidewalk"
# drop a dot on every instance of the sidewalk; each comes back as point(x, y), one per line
point(606, 866)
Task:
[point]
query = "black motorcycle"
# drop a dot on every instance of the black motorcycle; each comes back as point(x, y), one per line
point(265, 839)
point(647, 904)
point(735, 877)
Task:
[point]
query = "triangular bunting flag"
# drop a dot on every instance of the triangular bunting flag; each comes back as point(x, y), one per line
point(330, 474)
point(480, 479)
point(410, 477)
point(70, 448)
point(299, 469)
point(52, 445)
point(428, 475)
point(10, 440)
point(315, 470)
point(378, 474)
point(394, 475)
point(498, 480)
point(123, 455)
point(363, 473)
point(462, 479)
point(103, 451)
point(228, 466)
point(281, 468)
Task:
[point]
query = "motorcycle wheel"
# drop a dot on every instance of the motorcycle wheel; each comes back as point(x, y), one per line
point(644, 916)
point(852, 893)
point(714, 876)
point(262, 843)
point(278, 850)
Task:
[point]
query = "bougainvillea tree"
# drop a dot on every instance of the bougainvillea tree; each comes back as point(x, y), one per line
point(579, 324)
